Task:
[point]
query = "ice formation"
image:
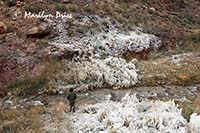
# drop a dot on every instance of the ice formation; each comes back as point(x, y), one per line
point(132, 116)
point(112, 42)
point(129, 115)
point(99, 54)
point(111, 71)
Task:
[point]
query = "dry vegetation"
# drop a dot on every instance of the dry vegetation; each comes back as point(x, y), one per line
point(189, 108)
point(164, 71)
point(27, 85)
point(24, 120)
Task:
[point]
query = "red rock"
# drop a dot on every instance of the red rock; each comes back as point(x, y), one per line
point(39, 31)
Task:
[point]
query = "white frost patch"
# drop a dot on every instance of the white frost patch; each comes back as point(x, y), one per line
point(111, 71)
point(132, 116)
point(118, 42)
point(179, 58)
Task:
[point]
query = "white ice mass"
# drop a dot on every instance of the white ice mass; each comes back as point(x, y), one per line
point(111, 71)
point(114, 42)
point(132, 116)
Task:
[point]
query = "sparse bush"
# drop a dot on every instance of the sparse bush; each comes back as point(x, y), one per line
point(154, 13)
point(21, 120)
point(71, 32)
point(73, 7)
point(7, 13)
point(42, 43)
point(10, 29)
point(10, 2)
point(33, 8)
point(187, 110)
point(88, 9)
point(120, 18)
point(61, 7)
point(193, 37)
point(56, 0)
point(27, 85)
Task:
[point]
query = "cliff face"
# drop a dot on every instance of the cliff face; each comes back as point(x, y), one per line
point(120, 28)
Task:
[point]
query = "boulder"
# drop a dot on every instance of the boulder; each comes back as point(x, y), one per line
point(39, 31)
point(3, 28)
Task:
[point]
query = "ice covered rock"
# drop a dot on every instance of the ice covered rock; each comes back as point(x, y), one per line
point(113, 43)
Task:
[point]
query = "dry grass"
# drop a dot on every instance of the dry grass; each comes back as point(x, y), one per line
point(197, 104)
point(59, 110)
point(187, 110)
point(163, 71)
point(190, 108)
point(26, 120)
point(27, 85)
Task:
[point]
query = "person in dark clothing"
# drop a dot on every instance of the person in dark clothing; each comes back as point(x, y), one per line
point(71, 98)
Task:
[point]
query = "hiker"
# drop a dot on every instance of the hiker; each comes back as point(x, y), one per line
point(72, 98)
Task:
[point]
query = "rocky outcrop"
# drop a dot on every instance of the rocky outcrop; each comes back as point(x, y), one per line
point(39, 31)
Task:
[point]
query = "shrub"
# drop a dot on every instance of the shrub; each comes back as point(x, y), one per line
point(7, 13)
point(187, 110)
point(71, 32)
point(61, 7)
point(11, 2)
point(73, 8)
point(42, 43)
point(33, 8)
point(21, 120)
point(10, 29)
point(27, 85)
point(88, 9)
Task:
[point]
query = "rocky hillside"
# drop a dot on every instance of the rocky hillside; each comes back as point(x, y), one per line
point(38, 53)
